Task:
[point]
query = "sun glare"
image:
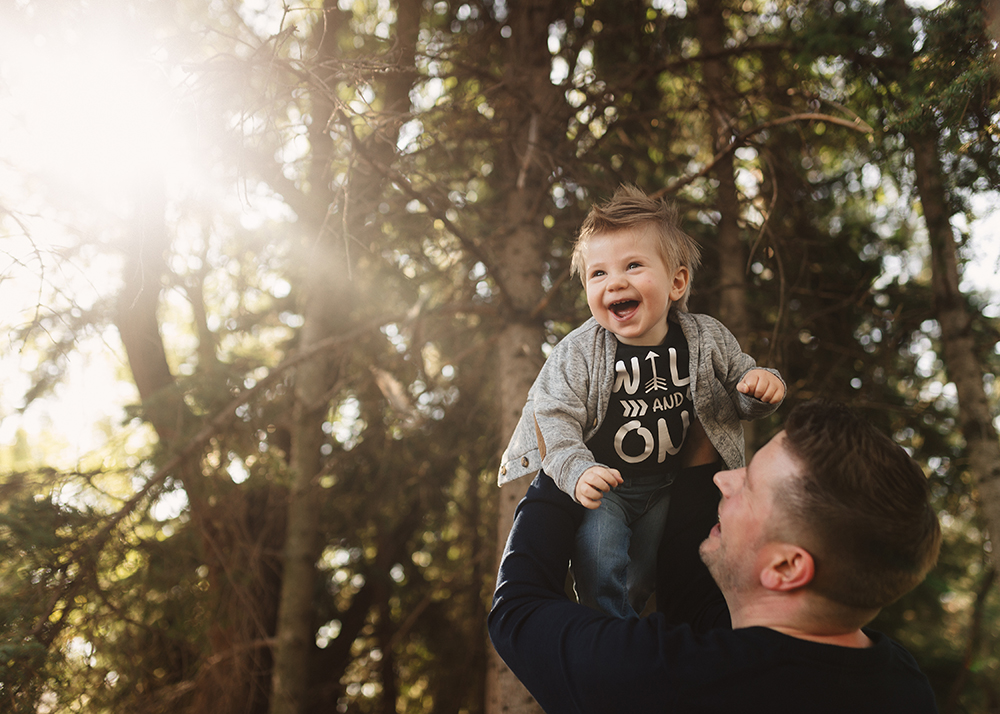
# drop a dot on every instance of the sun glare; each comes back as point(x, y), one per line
point(88, 113)
point(87, 108)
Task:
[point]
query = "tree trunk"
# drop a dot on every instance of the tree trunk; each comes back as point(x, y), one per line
point(330, 295)
point(229, 680)
point(325, 312)
point(958, 346)
point(716, 77)
point(294, 634)
point(520, 264)
point(519, 359)
point(137, 321)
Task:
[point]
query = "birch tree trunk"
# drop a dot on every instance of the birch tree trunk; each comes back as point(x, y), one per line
point(958, 346)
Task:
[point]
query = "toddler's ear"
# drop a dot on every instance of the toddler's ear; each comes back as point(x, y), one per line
point(680, 284)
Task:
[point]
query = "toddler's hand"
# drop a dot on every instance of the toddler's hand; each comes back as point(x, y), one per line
point(763, 385)
point(594, 483)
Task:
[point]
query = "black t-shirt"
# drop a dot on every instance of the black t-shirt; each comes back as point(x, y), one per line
point(650, 408)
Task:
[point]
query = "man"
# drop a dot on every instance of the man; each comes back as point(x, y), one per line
point(829, 523)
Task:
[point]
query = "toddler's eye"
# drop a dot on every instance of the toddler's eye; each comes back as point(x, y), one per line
point(597, 273)
point(634, 265)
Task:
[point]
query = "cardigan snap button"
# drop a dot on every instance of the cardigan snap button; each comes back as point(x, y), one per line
point(524, 461)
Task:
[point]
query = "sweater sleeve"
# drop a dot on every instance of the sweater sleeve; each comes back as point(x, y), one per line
point(562, 403)
point(559, 413)
point(730, 363)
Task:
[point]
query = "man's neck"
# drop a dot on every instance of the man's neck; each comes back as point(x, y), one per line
point(795, 621)
point(856, 639)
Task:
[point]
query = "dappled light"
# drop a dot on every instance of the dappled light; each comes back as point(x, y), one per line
point(275, 280)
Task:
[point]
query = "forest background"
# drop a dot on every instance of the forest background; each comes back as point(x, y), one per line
point(276, 278)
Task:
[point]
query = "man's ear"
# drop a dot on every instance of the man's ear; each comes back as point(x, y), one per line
point(788, 567)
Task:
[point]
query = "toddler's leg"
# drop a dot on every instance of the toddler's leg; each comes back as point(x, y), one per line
point(600, 559)
point(647, 531)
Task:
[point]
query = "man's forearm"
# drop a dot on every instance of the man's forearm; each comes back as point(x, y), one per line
point(573, 660)
point(530, 603)
point(536, 559)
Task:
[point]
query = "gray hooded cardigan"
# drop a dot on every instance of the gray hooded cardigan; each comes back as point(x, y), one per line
point(568, 401)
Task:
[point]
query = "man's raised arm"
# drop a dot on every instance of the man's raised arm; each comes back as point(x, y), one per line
point(569, 657)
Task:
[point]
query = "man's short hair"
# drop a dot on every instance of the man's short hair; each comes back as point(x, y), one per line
point(631, 208)
point(861, 508)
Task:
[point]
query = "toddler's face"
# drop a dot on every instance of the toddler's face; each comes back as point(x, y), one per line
point(629, 286)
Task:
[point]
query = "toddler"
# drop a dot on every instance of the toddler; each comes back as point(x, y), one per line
point(633, 396)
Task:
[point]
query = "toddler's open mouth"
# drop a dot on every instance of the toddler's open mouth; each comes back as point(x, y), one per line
point(624, 307)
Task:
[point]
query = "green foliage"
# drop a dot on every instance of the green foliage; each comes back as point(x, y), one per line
point(172, 607)
point(39, 562)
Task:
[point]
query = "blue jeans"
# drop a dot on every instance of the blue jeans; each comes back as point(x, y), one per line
point(614, 562)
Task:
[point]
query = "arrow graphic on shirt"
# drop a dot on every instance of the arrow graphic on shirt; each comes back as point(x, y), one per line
point(635, 407)
point(656, 382)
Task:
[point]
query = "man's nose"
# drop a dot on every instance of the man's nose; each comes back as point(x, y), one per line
point(724, 480)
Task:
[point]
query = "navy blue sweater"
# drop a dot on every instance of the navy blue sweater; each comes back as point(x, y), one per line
point(573, 659)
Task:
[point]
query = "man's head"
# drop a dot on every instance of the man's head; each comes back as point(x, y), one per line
point(629, 209)
point(841, 495)
point(861, 508)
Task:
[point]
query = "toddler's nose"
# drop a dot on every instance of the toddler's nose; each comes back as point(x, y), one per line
point(617, 281)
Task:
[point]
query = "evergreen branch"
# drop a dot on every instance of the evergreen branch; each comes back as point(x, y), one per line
point(406, 186)
point(740, 140)
point(68, 586)
point(975, 638)
point(551, 293)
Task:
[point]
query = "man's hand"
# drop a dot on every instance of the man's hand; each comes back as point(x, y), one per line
point(763, 385)
point(594, 483)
